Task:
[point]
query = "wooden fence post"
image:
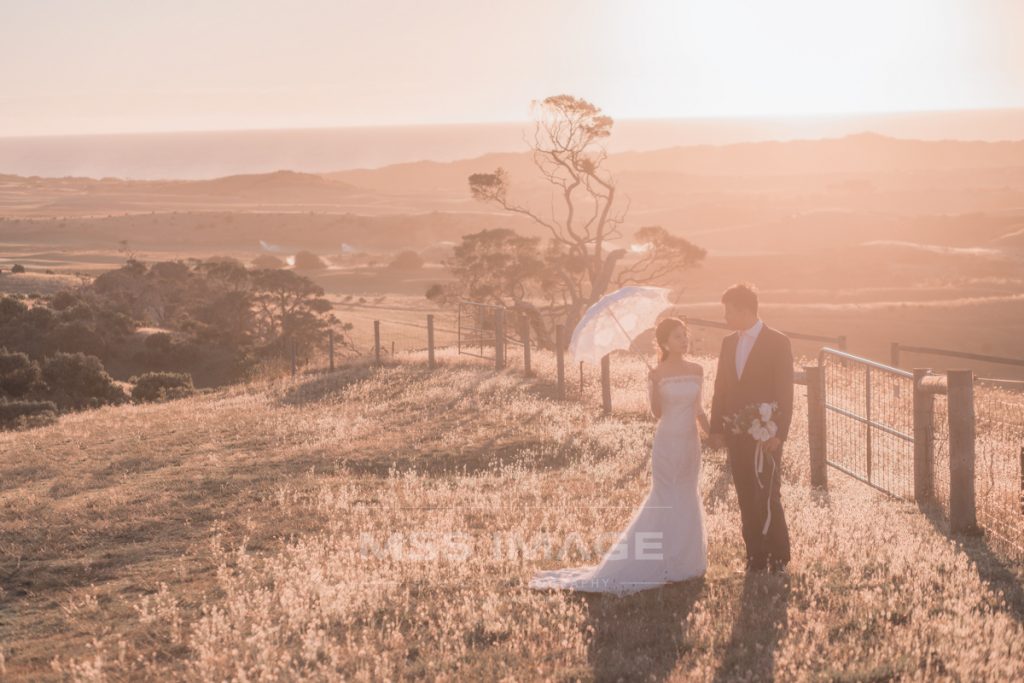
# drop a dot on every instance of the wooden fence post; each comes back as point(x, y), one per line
point(606, 383)
point(841, 342)
point(924, 439)
point(1022, 480)
point(330, 348)
point(960, 395)
point(894, 354)
point(430, 341)
point(293, 357)
point(560, 360)
point(526, 346)
point(817, 436)
point(376, 341)
point(499, 339)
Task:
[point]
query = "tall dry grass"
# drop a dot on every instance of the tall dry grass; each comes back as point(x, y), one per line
point(383, 522)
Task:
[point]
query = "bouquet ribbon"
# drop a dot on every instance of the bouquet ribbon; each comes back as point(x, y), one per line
point(758, 469)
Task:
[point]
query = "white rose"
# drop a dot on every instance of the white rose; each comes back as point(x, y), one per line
point(766, 411)
point(772, 429)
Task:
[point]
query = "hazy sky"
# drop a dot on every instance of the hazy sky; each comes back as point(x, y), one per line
point(90, 66)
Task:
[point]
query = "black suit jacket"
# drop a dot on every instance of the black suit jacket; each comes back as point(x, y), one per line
point(767, 377)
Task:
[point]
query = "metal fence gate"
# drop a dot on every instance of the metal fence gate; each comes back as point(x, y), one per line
point(480, 329)
point(869, 421)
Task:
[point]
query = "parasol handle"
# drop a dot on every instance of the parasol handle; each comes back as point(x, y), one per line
point(612, 314)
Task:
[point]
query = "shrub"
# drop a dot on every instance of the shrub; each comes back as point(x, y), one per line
point(63, 299)
point(158, 341)
point(18, 374)
point(18, 268)
point(161, 386)
point(26, 414)
point(441, 294)
point(75, 381)
point(406, 260)
point(11, 308)
point(307, 260)
point(268, 261)
point(77, 336)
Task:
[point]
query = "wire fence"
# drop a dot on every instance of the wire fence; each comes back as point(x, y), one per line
point(999, 464)
point(894, 432)
point(868, 422)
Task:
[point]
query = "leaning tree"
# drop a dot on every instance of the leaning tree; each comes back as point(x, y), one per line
point(584, 221)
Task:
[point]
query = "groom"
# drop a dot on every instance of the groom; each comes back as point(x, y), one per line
point(755, 365)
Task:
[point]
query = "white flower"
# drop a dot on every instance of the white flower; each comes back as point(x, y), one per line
point(759, 432)
point(772, 428)
point(766, 411)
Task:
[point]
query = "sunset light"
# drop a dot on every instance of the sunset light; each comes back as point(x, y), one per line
point(118, 66)
point(537, 340)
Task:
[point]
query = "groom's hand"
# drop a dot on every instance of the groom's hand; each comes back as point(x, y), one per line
point(716, 441)
point(773, 444)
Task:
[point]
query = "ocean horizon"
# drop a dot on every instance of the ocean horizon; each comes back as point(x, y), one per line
point(210, 154)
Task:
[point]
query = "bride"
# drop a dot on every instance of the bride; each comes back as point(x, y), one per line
point(666, 539)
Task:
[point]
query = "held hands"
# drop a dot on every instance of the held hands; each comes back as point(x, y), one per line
point(773, 444)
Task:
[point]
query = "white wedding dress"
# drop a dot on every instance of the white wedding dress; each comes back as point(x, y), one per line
point(666, 540)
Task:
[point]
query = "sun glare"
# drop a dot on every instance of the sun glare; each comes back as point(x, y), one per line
point(795, 57)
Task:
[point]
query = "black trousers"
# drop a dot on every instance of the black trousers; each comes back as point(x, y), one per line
point(756, 499)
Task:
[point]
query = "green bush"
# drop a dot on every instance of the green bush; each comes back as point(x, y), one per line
point(63, 299)
point(406, 260)
point(159, 342)
point(76, 381)
point(307, 260)
point(161, 386)
point(26, 414)
point(18, 373)
point(17, 268)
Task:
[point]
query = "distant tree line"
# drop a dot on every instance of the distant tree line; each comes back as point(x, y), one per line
point(217, 319)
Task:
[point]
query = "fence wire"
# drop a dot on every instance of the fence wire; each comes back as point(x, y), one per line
point(999, 459)
point(940, 452)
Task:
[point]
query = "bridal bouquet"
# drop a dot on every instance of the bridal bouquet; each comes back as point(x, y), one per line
point(758, 420)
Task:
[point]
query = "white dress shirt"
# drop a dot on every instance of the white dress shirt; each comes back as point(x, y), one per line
point(744, 344)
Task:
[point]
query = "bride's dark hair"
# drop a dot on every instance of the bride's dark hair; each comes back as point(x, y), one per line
point(662, 332)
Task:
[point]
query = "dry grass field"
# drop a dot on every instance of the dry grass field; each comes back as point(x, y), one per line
point(382, 523)
point(43, 284)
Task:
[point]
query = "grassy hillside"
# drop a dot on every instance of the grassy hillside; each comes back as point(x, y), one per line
point(243, 534)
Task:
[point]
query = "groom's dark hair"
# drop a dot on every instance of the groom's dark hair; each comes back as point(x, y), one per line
point(743, 295)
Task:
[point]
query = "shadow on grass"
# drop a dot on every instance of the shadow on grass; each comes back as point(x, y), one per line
point(760, 625)
point(317, 386)
point(641, 636)
point(999, 573)
point(508, 445)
